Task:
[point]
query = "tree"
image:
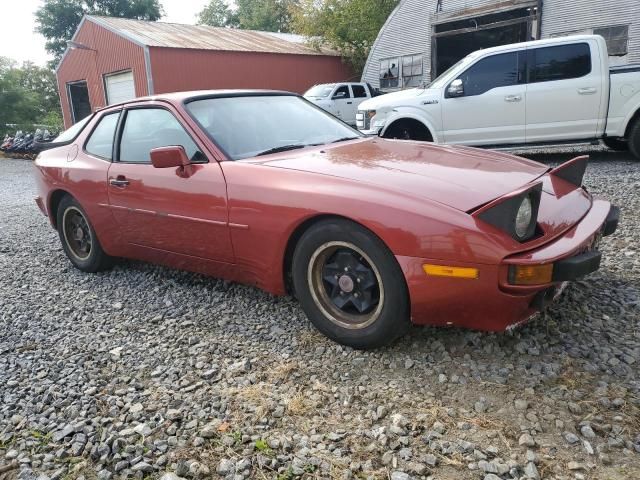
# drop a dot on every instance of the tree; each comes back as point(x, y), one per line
point(348, 26)
point(218, 14)
point(28, 97)
point(57, 20)
point(265, 15)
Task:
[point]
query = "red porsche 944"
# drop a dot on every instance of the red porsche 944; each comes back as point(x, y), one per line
point(369, 234)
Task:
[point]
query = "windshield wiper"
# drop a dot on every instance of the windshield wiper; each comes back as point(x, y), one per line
point(344, 139)
point(282, 148)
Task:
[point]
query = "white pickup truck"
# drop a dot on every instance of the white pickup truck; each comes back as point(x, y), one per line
point(554, 91)
point(340, 99)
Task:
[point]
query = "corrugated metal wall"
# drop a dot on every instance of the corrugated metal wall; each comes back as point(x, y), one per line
point(185, 69)
point(562, 17)
point(408, 29)
point(113, 53)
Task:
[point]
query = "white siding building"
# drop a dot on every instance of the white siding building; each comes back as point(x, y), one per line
point(422, 38)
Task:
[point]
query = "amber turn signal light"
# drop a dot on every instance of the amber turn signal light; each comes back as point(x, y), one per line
point(446, 271)
point(530, 274)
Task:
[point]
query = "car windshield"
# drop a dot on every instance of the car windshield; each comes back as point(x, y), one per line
point(73, 131)
point(248, 126)
point(320, 91)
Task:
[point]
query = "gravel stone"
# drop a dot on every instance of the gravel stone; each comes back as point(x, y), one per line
point(143, 371)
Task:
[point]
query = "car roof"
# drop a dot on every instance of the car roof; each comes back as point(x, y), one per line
point(182, 97)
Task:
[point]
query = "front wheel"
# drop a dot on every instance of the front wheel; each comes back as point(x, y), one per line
point(79, 239)
point(350, 285)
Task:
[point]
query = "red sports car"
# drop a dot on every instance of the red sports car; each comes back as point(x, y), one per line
point(369, 234)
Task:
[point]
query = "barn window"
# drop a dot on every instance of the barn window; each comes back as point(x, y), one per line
point(389, 73)
point(617, 38)
point(411, 70)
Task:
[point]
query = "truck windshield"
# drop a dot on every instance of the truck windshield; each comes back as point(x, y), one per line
point(440, 80)
point(319, 91)
point(248, 126)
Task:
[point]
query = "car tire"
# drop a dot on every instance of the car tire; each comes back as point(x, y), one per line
point(350, 285)
point(408, 130)
point(616, 144)
point(79, 240)
point(633, 139)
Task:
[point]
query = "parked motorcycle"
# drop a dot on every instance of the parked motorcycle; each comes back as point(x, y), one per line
point(26, 144)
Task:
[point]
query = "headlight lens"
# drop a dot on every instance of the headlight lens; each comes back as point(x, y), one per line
point(523, 217)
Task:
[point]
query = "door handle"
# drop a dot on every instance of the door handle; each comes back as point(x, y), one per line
point(349, 103)
point(120, 181)
point(513, 98)
point(587, 90)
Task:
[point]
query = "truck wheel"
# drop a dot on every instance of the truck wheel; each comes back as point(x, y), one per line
point(408, 129)
point(634, 139)
point(616, 144)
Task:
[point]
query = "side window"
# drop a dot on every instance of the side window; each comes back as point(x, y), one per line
point(617, 39)
point(411, 70)
point(496, 71)
point(389, 73)
point(342, 92)
point(149, 128)
point(358, 91)
point(100, 142)
point(561, 62)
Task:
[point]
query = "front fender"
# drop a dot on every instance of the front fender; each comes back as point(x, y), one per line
point(413, 113)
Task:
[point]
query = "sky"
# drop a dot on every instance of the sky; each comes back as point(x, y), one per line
point(19, 41)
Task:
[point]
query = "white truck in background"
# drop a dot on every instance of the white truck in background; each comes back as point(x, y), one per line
point(341, 99)
point(545, 92)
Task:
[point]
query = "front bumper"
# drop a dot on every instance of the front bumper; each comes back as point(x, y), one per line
point(490, 302)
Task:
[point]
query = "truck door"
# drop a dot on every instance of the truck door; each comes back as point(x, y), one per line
point(564, 92)
point(343, 103)
point(485, 105)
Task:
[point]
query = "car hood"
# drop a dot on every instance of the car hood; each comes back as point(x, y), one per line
point(460, 177)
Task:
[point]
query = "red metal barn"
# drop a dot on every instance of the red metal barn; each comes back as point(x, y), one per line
point(110, 60)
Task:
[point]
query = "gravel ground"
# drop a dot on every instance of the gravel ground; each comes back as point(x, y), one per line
point(147, 372)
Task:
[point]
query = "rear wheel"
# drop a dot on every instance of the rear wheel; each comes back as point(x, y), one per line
point(616, 144)
point(350, 285)
point(79, 239)
point(633, 139)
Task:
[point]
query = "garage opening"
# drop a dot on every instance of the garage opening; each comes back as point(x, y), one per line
point(78, 94)
point(119, 87)
point(456, 38)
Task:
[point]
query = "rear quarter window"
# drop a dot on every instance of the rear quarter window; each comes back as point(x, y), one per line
point(560, 62)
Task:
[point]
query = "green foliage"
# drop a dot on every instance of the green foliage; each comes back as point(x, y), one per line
point(57, 20)
point(265, 15)
point(262, 446)
point(28, 97)
point(348, 26)
point(217, 14)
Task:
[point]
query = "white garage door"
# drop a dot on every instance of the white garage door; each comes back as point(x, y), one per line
point(120, 87)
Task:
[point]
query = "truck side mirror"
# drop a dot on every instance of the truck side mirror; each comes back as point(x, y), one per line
point(455, 89)
point(339, 95)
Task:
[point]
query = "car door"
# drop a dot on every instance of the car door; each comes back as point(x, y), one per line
point(564, 92)
point(490, 107)
point(179, 209)
point(343, 103)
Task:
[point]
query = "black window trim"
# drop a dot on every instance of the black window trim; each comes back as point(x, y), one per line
point(101, 114)
point(523, 68)
point(530, 61)
point(141, 106)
